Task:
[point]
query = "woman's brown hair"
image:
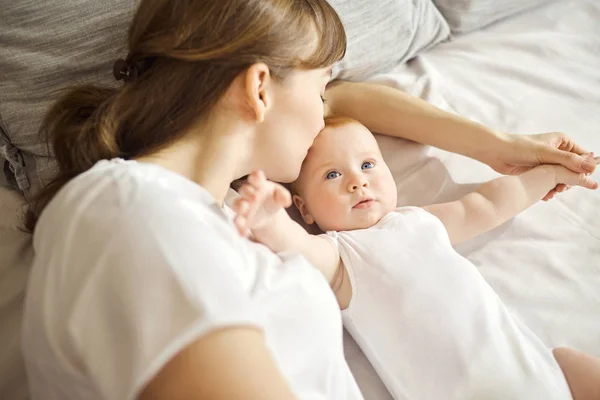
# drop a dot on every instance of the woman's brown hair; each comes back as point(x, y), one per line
point(186, 54)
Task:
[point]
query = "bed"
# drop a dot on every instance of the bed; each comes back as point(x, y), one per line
point(537, 71)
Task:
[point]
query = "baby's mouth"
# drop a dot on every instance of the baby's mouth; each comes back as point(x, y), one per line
point(364, 203)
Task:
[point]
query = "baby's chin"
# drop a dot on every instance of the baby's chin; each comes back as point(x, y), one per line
point(352, 223)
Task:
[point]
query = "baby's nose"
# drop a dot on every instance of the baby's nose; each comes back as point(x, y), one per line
point(355, 185)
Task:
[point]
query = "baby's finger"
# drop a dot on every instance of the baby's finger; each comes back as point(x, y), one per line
point(282, 196)
point(248, 192)
point(587, 182)
point(257, 179)
point(241, 207)
point(240, 223)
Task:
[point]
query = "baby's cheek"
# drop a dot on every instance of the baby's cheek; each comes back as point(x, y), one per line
point(391, 193)
point(332, 215)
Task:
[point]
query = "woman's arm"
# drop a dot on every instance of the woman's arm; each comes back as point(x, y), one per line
point(392, 112)
point(228, 364)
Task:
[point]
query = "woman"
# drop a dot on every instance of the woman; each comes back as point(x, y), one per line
point(141, 287)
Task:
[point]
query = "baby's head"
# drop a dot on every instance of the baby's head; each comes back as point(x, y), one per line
point(344, 184)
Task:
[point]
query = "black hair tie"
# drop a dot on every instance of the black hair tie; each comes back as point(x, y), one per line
point(125, 70)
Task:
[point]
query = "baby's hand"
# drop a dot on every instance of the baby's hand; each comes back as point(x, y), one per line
point(565, 178)
point(259, 202)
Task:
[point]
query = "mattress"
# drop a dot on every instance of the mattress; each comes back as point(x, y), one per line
point(537, 72)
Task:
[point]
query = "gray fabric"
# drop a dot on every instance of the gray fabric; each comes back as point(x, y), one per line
point(46, 46)
point(467, 15)
point(10, 163)
point(6, 177)
point(385, 33)
point(16, 253)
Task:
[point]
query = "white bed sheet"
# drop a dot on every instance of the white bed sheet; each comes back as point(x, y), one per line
point(537, 72)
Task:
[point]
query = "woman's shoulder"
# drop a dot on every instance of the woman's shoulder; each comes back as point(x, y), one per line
point(130, 183)
point(119, 223)
point(117, 198)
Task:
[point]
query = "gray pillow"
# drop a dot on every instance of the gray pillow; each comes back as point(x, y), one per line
point(46, 46)
point(16, 254)
point(467, 15)
point(385, 33)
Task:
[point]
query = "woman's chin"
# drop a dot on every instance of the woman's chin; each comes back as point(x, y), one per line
point(282, 176)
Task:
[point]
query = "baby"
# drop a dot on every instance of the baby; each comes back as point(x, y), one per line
point(423, 315)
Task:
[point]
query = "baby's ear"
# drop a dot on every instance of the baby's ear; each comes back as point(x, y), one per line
point(301, 206)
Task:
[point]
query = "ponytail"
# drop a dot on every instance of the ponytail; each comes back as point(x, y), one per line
point(81, 128)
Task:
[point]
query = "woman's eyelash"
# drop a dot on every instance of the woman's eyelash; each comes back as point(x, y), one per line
point(324, 100)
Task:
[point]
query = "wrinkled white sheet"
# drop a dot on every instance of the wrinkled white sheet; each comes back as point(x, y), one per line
point(536, 72)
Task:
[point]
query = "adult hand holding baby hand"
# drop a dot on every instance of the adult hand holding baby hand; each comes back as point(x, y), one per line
point(565, 178)
point(523, 152)
point(259, 202)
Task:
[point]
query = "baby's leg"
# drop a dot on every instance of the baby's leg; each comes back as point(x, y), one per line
point(582, 372)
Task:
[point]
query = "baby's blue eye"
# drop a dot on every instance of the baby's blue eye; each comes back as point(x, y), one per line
point(367, 165)
point(332, 175)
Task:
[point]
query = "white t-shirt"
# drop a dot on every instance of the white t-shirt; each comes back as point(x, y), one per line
point(431, 325)
point(134, 262)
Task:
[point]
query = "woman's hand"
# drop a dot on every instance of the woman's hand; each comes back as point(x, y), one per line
point(523, 152)
point(567, 177)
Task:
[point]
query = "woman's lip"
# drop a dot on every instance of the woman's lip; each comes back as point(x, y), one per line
point(364, 204)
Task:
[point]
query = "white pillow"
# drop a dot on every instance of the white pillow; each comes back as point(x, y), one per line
point(385, 33)
point(467, 15)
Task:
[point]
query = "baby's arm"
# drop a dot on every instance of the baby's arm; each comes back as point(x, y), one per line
point(497, 201)
point(261, 211)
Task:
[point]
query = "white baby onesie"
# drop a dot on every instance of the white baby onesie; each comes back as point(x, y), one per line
point(431, 325)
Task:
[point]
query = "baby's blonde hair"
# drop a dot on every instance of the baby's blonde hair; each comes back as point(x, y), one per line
point(332, 121)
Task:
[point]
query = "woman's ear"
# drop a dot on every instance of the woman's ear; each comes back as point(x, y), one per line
point(301, 206)
point(257, 86)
